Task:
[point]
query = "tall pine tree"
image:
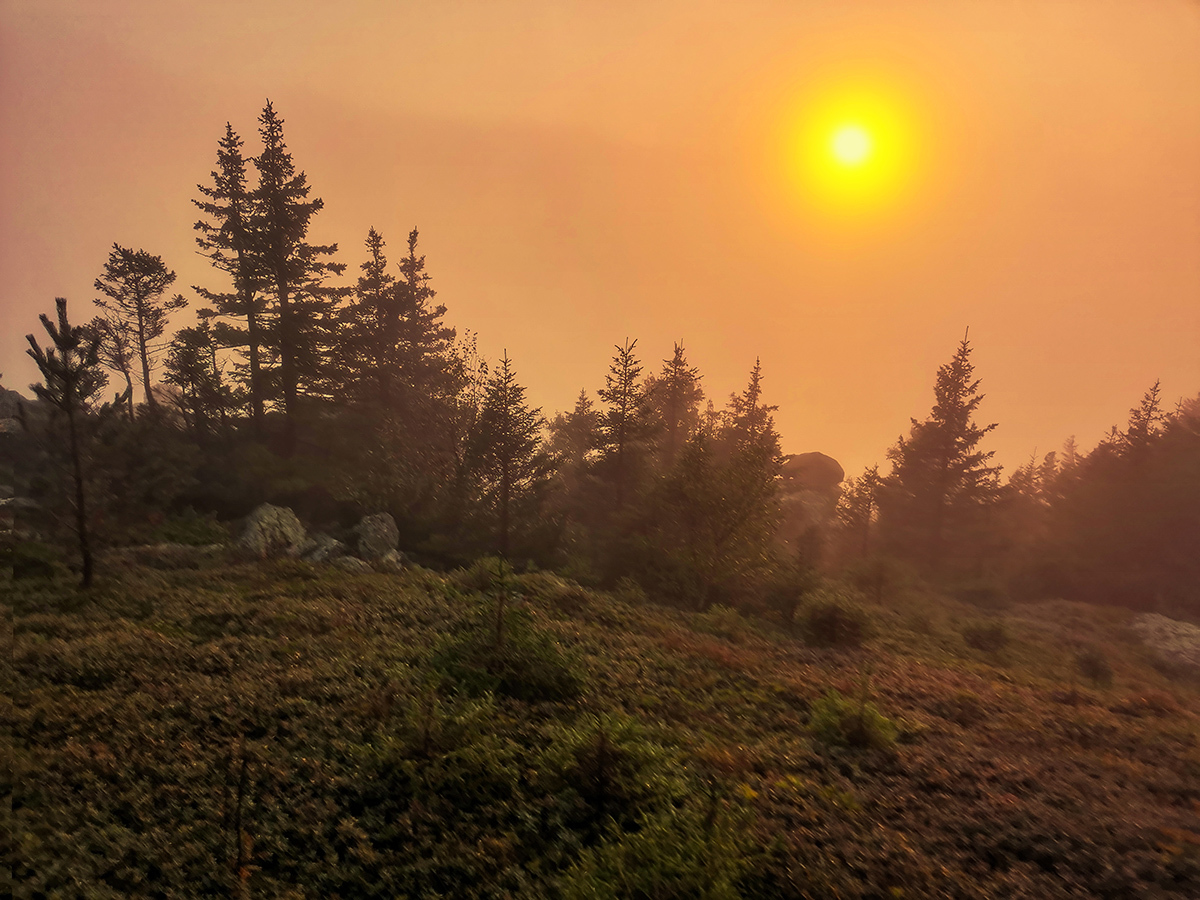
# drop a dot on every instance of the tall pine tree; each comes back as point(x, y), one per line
point(227, 238)
point(294, 270)
point(934, 505)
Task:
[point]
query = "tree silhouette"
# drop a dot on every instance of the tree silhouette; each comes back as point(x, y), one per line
point(134, 283)
point(933, 502)
point(506, 449)
point(117, 350)
point(71, 374)
point(625, 422)
point(294, 269)
point(227, 238)
point(675, 394)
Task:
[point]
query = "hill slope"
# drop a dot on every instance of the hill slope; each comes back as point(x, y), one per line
point(293, 731)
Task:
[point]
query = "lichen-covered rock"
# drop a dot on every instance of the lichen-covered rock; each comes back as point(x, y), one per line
point(377, 536)
point(322, 548)
point(393, 562)
point(353, 565)
point(272, 531)
point(1176, 642)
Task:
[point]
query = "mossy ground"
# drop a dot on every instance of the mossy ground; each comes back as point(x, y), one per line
point(143, 710)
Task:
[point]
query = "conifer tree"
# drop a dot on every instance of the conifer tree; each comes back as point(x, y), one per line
point(293, 269)
point(933, 503)
point(506, 450)
point(372, 329)
point(227, 238)
point(117, 350)
point(857, 511)
point(192, 365)
point(133, 283)
point(676, 394)
point(625, 423)
point(72, 378)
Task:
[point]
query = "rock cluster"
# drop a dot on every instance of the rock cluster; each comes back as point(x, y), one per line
point(275, 531)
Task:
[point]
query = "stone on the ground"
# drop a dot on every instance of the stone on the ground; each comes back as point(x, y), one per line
point(272, 531)
point(1176, 642)
point(322, 548)
point(377, 535)
point(353, 565)
point(393, 562)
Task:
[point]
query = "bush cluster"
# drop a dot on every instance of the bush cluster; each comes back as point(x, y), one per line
point(986, 636)
point(832, 620)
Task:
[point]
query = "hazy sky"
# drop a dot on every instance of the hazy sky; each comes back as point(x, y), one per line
point(584, 172)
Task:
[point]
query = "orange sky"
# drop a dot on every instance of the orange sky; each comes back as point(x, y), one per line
point(583, 172)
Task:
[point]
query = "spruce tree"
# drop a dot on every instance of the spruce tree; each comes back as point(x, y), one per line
point(134, 283)
point(675, 395)
point(292, 269)
point(506, 450)
point(117, 349)
point(72, 378)
point(625, 423)
point(933, 504)
point(227, 238)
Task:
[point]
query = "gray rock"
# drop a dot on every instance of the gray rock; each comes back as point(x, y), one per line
point(322, 548)
point(353, 565)
point(1176, 642)
point(272, 531)
point(377, 535)
point(393, 562)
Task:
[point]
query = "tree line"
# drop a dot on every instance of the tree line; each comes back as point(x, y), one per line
point(343, 399)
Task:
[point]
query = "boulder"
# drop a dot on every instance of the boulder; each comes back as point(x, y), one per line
point(272, 531)
point(322, 548)
point(1176, 642)
point(377, 536)
point(809, 489)
point(353, 565)
point(393, 562)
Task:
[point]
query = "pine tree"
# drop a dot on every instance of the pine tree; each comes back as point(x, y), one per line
point(227, 238)
point(117, 350)
point(858, 510)
point(676, 394)
point(506, 450)
point(372, 329)
point(134, 283)
point(625, 423)
point(293, 269)
point(72, 378)
point(933, 503)
point(193, 366)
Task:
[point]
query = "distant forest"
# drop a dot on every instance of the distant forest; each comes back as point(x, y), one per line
point(340, 401)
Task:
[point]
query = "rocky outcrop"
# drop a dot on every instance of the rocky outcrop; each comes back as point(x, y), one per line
point(377, 536)
point(272, 531)
point(353, 565)
point(810, 485)
point(321, 548)
point(1176, 642)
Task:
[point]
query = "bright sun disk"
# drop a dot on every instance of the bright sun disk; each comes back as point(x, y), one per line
point(851, 145)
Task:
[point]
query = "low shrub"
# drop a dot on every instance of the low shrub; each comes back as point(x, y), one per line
point(30, 559)
point(839, 722)
point(1093, 665)
point(679, 853)
point(964, 708)
point(986, 636)
point(504, 653)
point(834, 621)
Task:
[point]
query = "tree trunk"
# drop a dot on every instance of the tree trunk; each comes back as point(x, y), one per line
point(145, 354)
point(81, 525)
point(256, 393)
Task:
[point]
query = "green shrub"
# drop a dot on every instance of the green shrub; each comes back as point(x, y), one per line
point(987, 636)
point(30, 559)
point(507, 654)
point(677, 854)
point(722, 621)
point(485, 575)
point(190, 528)
point(838, 722)
point(834, 621)
point(1094, 666)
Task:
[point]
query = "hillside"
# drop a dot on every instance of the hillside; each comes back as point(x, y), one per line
point(214, 728)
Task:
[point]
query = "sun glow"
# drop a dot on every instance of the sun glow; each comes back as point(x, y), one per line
point(851, 150)
point(851, 145)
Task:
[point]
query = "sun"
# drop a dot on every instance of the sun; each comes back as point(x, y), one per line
point(852, 150)
point(851, 145)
